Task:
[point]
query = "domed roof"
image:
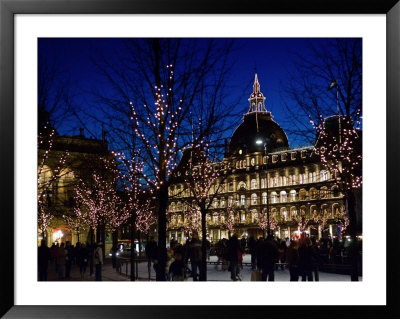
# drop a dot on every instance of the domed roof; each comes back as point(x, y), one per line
point(258, 129)
point(247, 139)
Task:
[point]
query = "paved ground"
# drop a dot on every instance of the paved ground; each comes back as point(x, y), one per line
point(214, 273)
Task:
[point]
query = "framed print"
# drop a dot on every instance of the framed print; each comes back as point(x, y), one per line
point(125, 189)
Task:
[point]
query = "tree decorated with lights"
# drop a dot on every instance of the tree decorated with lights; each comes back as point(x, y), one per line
point(192, 220)
point(47, 179)
point(262, 222)
point(204, 181)
point(98, 204)
point(305, 221)
point(231, 220)
point(339, 148)
point(152, 89)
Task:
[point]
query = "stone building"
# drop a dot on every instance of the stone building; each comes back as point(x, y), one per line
point(69, 158)
point(263, 176)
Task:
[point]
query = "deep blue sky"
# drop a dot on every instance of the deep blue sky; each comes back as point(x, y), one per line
point(271, 58)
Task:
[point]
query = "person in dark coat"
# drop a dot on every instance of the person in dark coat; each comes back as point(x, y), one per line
point(252, 251)
point(82, 260)
point(177, 268)
point(69, 255)
point(306, 259)
point(292, 258)
point(193, 252)
point(233, 253)
point(266, 258)
point(43, 260)
point(317, 258)
point(151, 250)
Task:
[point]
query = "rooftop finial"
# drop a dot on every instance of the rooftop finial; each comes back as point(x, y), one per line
point(256, 98)
point(256, 85)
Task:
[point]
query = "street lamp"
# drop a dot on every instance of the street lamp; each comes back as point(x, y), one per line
point(263, 141)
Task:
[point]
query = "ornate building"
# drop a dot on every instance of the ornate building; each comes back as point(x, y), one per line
point(60, 165)
point(261, 177)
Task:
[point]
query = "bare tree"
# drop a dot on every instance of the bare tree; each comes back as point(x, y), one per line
point(306, 94)
point(152, 92)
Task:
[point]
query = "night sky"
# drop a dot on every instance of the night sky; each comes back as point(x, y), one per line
point(271, 58)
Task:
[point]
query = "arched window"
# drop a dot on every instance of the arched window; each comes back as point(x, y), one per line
point(292, 196)
point(335, 191)
point(253, 199)
point(179, 206)
point(242, 186)
point(253, 184)
point(324, 192)
point(230, 201)
point(313, 193)
point(222, 202)
point(264, 198)
point(293, 212)
point(302, 178)
point(283, 180)
point(323, 176)
point(215, 203)
point(302, 194)
point(242, 200)
point(275, 214)
point(254, 216)
point(284, 214)
point(283, 197)
point(274, 197)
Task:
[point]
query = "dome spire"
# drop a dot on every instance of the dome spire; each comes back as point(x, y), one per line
point(256, 98)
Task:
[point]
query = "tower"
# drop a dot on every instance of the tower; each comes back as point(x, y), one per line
point(256, 98)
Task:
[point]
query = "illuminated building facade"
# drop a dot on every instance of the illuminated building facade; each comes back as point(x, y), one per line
point(263, 176)
point(69, 158)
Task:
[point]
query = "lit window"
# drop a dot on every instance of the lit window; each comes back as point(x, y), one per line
point(264, 198)
point(323, 176)
point(253, 184)
point(253, 199)
point(283, 197)
point(292, 196)
point(274, 197)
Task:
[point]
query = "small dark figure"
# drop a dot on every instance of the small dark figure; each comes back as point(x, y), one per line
point(151, 253)
point(82, 260)
point(306, 259)
point(234, 252)
point(193, 252)
point(68, 259)
point(252, 251)
point(98, 261)
point(177, 268)
point(61, 261)
point(43, 260)
point(267, 255)
point(292, 258)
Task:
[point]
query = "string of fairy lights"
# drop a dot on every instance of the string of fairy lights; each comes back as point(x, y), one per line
point(45, 184)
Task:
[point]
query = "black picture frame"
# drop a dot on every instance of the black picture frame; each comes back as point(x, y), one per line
point(8, 10)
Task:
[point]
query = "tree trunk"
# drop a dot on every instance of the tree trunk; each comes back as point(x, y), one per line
point(133, 277)
point(354, 247)
point(203, 266)
point(139, 241)
point(162, 196)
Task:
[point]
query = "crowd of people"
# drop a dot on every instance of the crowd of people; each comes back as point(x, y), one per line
point(303, 257)
point(63, 256)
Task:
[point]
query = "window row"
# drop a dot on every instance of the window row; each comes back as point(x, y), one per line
point(274, 198)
